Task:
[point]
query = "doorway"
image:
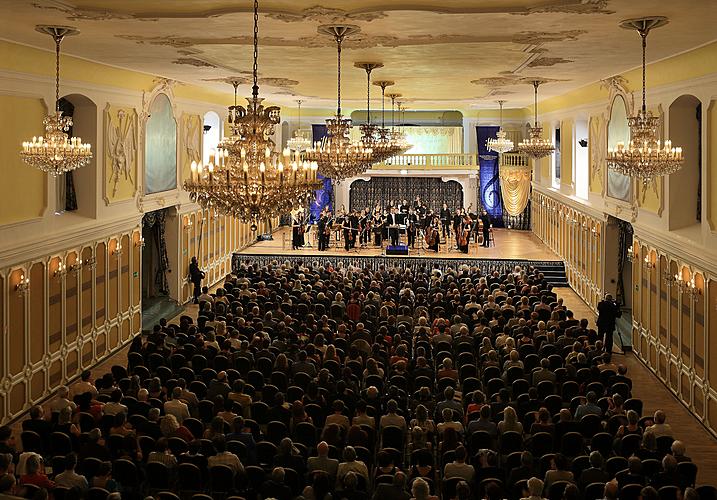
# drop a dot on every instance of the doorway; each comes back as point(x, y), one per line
point(618, 276)
point(156, 268)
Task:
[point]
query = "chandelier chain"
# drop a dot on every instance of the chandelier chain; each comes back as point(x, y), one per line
point(58, 40)
point(535, 108)
point(338, 75)
point(368, 95)
point(255, 69)
point(383, 106)
point(643, 34)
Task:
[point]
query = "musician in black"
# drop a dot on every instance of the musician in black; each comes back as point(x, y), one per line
point(418, 203)
point(463, 236)
point(446, 221)
point(393, 227)
point(412, 222)
point(433, 236)
point(404, 206)
point(364, 233)
point(298, 228)
point(351, 229)
point(378, 223)
point(485, 220)
point(324, 229)
point(457, 221)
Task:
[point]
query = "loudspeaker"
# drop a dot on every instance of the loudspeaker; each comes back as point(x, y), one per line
point(397, 250)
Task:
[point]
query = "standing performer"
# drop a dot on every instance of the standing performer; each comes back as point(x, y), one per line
point(411, 226)
point(298, 228)
point(464, 233)
point(196, 276)
point(351, 230)
point(324, 229)
point(378, 225)
point(446, 221)
point(457, 221)
point(485, 220)
point(365, 227)
point(393, 227)
point(404, 206)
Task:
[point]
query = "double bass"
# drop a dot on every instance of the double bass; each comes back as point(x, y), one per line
point(464, 232)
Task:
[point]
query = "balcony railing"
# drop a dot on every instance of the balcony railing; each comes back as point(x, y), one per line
point(429, 162)
point(445, 161)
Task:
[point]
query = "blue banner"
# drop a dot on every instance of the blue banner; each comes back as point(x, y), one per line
point(489, 176)
point(323, 197)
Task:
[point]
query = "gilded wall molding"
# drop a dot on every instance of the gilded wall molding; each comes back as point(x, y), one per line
point(120, 153)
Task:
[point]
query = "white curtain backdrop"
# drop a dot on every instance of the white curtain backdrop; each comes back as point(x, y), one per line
point(429, 140)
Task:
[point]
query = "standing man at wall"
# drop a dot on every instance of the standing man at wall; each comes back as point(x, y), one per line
point(196, 276)
point(608, 312)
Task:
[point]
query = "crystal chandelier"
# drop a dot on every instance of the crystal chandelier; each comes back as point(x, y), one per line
point(398, 138)
point(645, 157)
point(500, 144)
point(245, 178)
point(370, 133)
point(300, 141)
point(536, 147)
point(56, 153)
point(337, 156)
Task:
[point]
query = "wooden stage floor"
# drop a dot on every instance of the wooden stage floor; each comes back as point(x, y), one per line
point(509, 244)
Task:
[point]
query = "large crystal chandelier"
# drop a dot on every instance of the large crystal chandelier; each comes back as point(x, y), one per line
point(645, 157)
point(536, 147)
point(370, 133)
point(301, 140)
point(337, 156)
point(500, 144)
point(245, 178)
point(56, 153)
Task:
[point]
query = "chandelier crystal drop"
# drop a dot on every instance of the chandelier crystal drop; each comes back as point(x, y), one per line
point(500, 144)
point(245, 178)
point(536, 147)
point(645, 157)
point(56, 153)
point(337, 156)
point(301, 140)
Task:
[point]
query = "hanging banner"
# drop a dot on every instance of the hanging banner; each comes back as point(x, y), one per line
point(489, 177)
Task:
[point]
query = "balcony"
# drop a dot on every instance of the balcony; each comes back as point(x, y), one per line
point(431, 162)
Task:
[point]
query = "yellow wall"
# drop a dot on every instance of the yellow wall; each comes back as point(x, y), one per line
point(100, 306)
point(566, 152)
point(23, 190)
point(576, 237)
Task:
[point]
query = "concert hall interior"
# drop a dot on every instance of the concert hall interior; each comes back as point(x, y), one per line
point(327, 250)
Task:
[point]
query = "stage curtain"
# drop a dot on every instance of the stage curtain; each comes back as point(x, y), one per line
point(432, 190)
point(515, 188)
point(156, 222)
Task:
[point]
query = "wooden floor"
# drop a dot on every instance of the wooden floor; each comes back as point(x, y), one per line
point(701, 445)
point(508, 245)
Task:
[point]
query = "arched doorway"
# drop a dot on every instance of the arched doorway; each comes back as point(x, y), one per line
point(617, 279)
point(686, 184)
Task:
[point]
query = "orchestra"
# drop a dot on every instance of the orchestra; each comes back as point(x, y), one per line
point(400, 222)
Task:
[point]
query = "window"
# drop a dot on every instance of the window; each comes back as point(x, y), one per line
point(556, 159)
point(212, 134)
point(581, 171)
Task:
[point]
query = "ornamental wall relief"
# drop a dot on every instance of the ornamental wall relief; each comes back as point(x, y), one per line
point(120, 153)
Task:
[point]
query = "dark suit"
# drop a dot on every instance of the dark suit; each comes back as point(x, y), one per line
point(608, 312)
point(393, 231)
point(196, 276)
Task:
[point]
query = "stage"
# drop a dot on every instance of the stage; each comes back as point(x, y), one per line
point(509, 244)
point(511, 248)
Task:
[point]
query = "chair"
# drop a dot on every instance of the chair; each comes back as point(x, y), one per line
point(510, 442)
point(479, 440)
point(594, 491)
point(579, 465)
point(707, 492)
point(221, 479)
point(634, 404)
point(31, 441)
point(259, 412)
point(392, 437)
point(541, 444)
point(602, 442)
point(590, 425)
point(157, 476)
point(177, 445)
point(189, 478)
point(571, 444)
point(60, 492)
point(449, 487)
point(688, 472)
point(630, 492)
point(96, 493)
point(60, 443)
point(555, 492)
point(305, 433)
point(664, 444)
point(630, 444)
point(613, 465)
point(669, 493)
point(265, 452)
point(125, 472)
point(276, 431)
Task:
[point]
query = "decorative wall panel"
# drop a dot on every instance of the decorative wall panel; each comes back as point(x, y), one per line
point(120, 155)
point(432, 190)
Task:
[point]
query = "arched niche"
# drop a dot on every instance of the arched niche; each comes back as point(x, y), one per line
point(212, 134)
point(160, 146)
point(685, 117)
point(618, 185)
point(81, 183)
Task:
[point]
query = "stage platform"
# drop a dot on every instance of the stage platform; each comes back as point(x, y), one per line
point(512, 248)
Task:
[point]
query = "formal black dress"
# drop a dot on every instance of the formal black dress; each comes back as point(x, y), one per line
point(297, 233)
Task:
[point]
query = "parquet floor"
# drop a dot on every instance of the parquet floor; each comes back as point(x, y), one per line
point(701, 445)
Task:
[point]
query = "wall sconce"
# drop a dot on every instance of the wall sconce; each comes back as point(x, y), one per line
point(688, 287)
point(139, 243)
point(647, 264)
point(668, 279)
point(89, 263)
point(188, 224)
point(76, 267)
point(23, 286)
point(118, 250)
point(630, 254)
point(61, 271)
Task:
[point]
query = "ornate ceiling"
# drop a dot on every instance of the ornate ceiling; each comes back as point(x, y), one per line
point(449, 54)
